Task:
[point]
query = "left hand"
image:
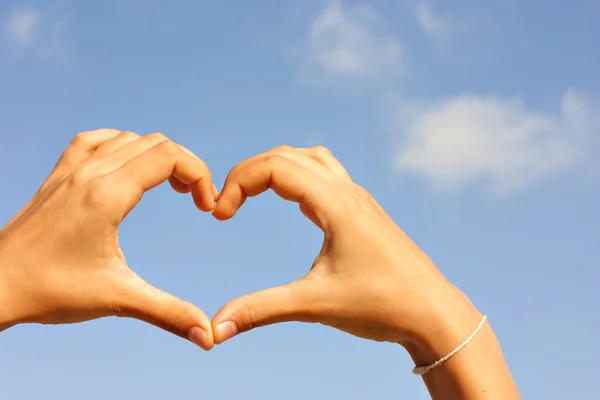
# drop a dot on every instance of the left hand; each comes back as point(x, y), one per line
point(60, 260)
point(369, 279)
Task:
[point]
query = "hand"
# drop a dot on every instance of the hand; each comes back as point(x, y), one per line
point(60, 260)
point(369, 279)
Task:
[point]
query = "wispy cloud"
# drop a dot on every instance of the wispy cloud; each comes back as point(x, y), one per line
point(438, 25)
point(27, 31)
point(490, 140)
point(500, 143)
point(349, 42)
point(22, 26)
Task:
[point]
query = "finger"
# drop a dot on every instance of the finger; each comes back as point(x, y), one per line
point(304, 159)
point(309, 159)
point(182, 187)
point(120, 157)
point(79, 150)
point(322, 155)
point(178, 186)
point(83, 145)
point(185, 188)
point(288, 179)
point(298, 301)
point(125, 138)
point(112, 145)
point(116, 159)
point(141, 171)
point(147, 303)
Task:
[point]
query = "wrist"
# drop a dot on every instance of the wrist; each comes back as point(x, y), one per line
point(446, 320)
point(476, 371)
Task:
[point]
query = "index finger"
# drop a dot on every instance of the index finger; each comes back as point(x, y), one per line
point(156, 164)
point(288, 179)
point(82, 144)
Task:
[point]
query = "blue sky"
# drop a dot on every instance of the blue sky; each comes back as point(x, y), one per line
point(475, 124)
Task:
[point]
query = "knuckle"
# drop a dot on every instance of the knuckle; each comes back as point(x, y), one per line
point(248, 321)
point(322, 152)
point(172, 318)
point(129, 135)
point(276, 160)
point(85, 138)
point(231, 175)
point(157, 137)
point(187, 310)
point(80, 177)
point(81, 138)
point(204, 166)
point(205, 171)
point(167, 147)
point(178, 311)
point(189, 152)
point(282, 149)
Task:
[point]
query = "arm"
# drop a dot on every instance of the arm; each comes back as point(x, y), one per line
point(369, 280)
point(60, 260)
point(7, 306)
point(478, 370)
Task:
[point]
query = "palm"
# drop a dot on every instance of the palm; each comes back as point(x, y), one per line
point(338, 293)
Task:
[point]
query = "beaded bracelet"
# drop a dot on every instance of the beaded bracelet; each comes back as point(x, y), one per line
point(426, 368)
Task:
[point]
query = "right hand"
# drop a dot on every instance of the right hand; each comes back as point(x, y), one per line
point(60, 260)
point(369, 280)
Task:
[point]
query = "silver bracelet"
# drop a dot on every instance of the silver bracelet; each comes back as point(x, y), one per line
point(426, 368)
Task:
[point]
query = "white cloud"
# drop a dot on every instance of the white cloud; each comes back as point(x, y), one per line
point(437, 25)
point(491, 140)
point(348, 42)
point(22, 25)
point(27, 31)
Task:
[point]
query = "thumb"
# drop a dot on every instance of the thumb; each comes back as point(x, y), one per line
point(297, 301)
point(145, 302)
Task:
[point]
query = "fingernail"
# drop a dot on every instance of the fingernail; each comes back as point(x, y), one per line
point(198, 336)
point(227, 330)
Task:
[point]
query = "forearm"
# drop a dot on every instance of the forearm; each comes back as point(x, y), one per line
point(7, 319)
point(7, 298)
point(477, 371)
point(5, 325)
